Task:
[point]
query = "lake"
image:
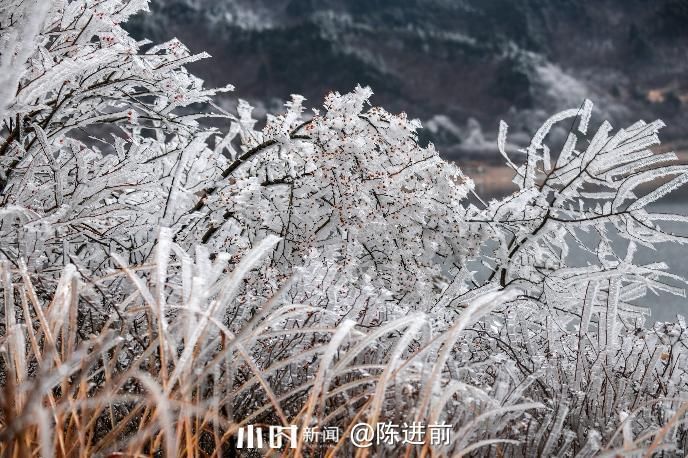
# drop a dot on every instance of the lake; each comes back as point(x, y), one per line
point(663, 306)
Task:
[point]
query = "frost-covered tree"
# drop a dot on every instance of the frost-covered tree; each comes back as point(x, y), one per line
point(191, 279)
point(98, 148)
point(350, 191)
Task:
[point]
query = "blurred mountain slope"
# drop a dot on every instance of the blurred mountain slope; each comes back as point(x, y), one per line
point(465, 63)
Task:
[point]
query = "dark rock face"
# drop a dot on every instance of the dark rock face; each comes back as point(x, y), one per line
point(457, 59)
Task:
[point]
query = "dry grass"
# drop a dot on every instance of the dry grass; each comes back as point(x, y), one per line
point(167, 375)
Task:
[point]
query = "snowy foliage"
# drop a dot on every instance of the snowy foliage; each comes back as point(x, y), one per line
point(98, 150)
point(321, 269)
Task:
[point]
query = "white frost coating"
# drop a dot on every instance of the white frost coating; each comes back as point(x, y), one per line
point(501, 137)
point(585, 114)
point(162, 253)
point(546, 160)
point(501, 144)
point(637, 179)
point(18, 44)
point(567, 150)
point(326, 257)
point(65, 293)
point(597, 143)
point(247, 263)
point(660, 192)
point(538, 138)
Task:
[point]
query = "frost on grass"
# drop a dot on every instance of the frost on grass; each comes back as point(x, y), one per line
point(165, 283)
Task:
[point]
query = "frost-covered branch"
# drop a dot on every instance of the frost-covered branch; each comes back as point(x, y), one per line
point(323, 269)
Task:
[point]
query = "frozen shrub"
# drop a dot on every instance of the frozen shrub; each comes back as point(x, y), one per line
point(165, 283)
